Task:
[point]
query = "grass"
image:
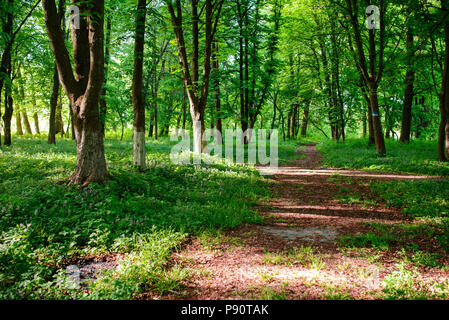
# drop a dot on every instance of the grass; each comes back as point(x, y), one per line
point(418, 198)
point(143, 216)
point(302, 256)
point(272, 294)
point(405, 284)
point(418, 157)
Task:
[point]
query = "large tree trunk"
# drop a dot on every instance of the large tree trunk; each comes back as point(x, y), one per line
point(408, 93)
point(137, 88)
point(82, 85)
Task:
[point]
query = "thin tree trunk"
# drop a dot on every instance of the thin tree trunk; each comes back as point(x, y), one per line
point(107, 58)
point(305, 120)
point(26, 122)
point(216, 65)
point(184, 118)
point(408, 93)
point(7, 116)
point(137, 88)
point(59, 124)
point(53, 106)
point(197, 94)
point(273, 121)
point(36, 123)
point(19, 123)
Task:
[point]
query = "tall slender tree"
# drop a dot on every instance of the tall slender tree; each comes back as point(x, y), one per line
point(137, 87)
point(197, 93)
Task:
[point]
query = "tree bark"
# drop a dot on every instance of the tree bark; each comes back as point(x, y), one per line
point(36, 123)
point(408, 92)
point(19, 123)
point(443, 130)
point(26, 122)
point(82, 84)
point(5, 69)
point(305, 120)
point(196, 94)
point(107, 57)
point(137, 88)
point(7, 116)
point(53, 106)
point(216, 66)
point(370, 73)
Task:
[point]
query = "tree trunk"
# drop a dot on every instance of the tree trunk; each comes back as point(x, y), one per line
point(26, 122)
point(59, 123)
point(216, 65)
point(184, 118)
point(377, 126)
point(7, 116)
point(273, 121)
point(53, 106)
point(137, 88)
point(197, 94)
point(36, 123)
point(305, 120)
point(408, 93)
point(82, 85)
point(371, 70)
point(107, 57)
point(19, 123)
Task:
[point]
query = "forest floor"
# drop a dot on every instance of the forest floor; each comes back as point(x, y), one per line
point(325, 235)
point(220, 230)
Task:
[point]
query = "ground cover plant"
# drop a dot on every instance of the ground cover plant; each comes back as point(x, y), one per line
point(143, 216)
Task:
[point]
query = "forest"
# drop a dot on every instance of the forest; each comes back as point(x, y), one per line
point(345, 101)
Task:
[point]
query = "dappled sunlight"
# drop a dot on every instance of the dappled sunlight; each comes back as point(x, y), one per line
point(294, 171)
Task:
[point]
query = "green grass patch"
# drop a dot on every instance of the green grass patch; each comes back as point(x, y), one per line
point(303, 256)
point(418, 157)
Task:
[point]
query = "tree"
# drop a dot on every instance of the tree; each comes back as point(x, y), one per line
point(371, 72)
point(137, 87)
point(82, 84)
point(196, 93)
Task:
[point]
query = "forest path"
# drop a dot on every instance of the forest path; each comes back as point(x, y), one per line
point(295, 253)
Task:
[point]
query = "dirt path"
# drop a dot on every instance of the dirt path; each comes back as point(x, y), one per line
point(295, 253)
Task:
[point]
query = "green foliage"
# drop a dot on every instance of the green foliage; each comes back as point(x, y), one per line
point(142, 215)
